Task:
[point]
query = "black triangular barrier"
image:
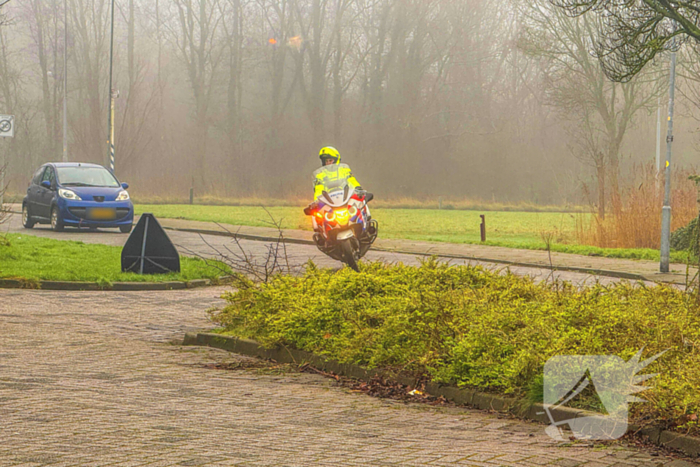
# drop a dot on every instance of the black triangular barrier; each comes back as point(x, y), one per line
point(149, 250)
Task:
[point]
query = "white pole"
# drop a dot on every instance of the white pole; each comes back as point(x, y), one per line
point(2, 178)
point(110, 121)
point(4, 159)
point(65, 81)
point(658, 137)
point(666, 210)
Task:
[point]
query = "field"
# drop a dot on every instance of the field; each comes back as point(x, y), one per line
point(392, 203)
point(33, 258)
point(525, 230)
point(511, 228)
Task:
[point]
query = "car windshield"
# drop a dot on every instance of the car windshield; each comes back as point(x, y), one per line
point(86, 176)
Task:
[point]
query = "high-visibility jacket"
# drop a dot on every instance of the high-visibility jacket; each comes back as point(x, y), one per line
point(333, 176)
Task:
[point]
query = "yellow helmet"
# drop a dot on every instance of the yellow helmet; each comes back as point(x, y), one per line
point(329, 153)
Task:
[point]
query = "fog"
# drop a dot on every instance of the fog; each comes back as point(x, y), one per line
point(482, 99)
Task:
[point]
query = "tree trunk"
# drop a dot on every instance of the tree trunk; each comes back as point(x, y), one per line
point(600, 173)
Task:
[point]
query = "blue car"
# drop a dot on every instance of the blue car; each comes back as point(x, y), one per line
point(70, 194)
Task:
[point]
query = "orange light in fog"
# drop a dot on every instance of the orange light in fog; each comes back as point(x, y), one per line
point(342, 216)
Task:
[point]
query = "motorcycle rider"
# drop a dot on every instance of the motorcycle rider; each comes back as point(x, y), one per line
point(328, 175)
point(332, 173)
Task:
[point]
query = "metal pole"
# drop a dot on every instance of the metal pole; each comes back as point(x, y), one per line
point(666, 211)
point(658, 137)
point(111, 133)
point(65, 81)
point(3, 168)
point(110, 120)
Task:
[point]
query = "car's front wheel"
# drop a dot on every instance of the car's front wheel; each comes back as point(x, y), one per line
point(27, 220)
point(56, 221)
point(126, 228)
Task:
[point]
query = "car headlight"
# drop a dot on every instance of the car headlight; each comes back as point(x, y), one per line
point(123, 195)
point(67, 194)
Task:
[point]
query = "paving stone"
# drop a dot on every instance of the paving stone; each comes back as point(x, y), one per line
point(91, 379)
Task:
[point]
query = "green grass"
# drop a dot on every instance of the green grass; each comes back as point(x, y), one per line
point(391, 203)
point(507, 229)
point(34, 258)
point(503, 228)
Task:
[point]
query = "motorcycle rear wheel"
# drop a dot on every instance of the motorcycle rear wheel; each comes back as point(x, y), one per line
point(349, 257)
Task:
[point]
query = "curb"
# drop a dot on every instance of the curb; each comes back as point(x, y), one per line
point(688, 445)
point(95, 286)
point(257, 238)
point(592, 271)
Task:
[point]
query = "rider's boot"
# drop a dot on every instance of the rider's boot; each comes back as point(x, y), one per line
point(319, 241)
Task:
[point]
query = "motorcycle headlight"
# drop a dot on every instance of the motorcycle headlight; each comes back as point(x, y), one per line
point(68, 194)
point(123, 195)
point(342, 216)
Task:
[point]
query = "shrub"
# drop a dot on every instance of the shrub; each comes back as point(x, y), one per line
point(471, 327)
point(686, 237)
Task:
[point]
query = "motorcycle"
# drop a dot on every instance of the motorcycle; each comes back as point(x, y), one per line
point(344, 229)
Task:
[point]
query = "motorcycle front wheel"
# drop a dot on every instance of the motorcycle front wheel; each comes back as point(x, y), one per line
point(349, 257)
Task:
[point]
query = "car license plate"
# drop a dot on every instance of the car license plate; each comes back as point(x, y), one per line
point(102, 214)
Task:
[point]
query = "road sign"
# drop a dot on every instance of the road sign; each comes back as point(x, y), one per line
point(7, 126)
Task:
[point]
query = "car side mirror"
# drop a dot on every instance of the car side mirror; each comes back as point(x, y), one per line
point(125, 185)
point(46, 184)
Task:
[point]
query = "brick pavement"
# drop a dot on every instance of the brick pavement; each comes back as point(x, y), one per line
point(90, 379)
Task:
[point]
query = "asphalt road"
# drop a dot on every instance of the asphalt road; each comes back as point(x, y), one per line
point(211, 246)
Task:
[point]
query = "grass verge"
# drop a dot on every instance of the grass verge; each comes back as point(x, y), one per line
point(391, 203)
point(506, 229)
point(471, 327)
point(34, 258)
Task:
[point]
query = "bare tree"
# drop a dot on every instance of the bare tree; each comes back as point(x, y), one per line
point(90, 25)
point(634, 32)
point(196, 39)
point(423, 98)
point(599, 111)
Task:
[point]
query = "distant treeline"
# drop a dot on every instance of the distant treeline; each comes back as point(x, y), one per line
point(424, 98)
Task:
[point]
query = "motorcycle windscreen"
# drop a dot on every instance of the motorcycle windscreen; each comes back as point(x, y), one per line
point(336, 189)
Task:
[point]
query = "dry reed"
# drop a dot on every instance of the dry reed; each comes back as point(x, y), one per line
point(633, 219)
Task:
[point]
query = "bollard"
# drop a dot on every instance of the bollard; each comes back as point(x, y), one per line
point(439, 202)
point(483, 227)
point(191, 195)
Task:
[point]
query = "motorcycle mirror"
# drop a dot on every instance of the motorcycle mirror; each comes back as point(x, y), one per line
point(369, 197)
